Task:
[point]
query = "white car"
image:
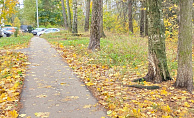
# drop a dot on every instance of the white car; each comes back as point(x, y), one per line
point(35, 32)
point(49, 30)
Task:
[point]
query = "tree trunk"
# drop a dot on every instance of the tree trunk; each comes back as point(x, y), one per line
point(95, 27)
point(142, 20)
point(146, 18)
point(87, 18)
point(157, 68)
point(130, 16)
point(68, 15)
point(74, 26)
point(102, 34)
point(185, 72)
point(64, 15)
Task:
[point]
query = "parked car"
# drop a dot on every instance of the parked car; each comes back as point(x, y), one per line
point(35, 32)
point(49, 30)
point(6, 33)
point(11, 29)
point(26, 28)
point(1, 32)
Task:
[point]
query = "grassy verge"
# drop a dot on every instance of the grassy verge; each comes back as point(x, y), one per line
point(12, 69)
point(116, 50)
point(121, 59)
point(15, 42)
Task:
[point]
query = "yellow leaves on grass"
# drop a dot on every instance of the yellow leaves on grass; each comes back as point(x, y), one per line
point(166, 109)
point(12, 66)
point(121, 101)
point(12, 114)
point(186, 104)
point(90, 84)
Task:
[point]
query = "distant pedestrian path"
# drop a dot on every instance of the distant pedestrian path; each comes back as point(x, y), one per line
point(52, 90)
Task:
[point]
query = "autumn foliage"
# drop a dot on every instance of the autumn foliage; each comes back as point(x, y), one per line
point(107, 79)
point(12, 68)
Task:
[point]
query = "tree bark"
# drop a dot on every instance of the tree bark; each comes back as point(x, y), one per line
point(142, 20)
point(95, 27)
point(87, 18)
point(146, 18)
point(74, 25)
point(130, 16)
point(68, 15)
point(64, 15)
point(185, 72)
point(157, 68)
point(102, 34)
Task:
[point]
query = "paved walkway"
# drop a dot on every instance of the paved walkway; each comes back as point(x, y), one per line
point(51, 89)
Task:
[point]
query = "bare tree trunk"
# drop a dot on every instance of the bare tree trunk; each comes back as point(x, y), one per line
point(95, 27)
point(74, 25)
point(130, 16)
point(146, 18)
point(142, 20)
point(102, 34)
point(185, 72)
point(64, 15)
point(87, 18)
point(68, 15)
point(157, 68)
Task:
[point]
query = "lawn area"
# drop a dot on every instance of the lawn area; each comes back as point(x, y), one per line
point(21, 41)
point(12, 69)
point(121, 59)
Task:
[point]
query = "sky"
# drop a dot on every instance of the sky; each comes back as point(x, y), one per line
point(21, 2)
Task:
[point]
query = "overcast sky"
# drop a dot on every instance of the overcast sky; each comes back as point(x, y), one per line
point(21, 3)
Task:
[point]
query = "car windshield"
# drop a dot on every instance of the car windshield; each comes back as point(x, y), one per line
point(48, 30)
point(39, 29)
point(7, 28)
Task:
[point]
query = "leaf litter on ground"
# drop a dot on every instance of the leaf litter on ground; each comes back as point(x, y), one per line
point(12, 68)
point(108, 85)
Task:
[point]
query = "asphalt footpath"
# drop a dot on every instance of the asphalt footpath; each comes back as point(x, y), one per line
point(52, 90)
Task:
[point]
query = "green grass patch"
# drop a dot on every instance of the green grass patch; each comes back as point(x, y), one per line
point(15, 42)
point(116, 50)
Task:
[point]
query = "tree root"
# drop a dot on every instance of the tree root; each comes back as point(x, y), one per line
point(144, 87)
point(141, 86)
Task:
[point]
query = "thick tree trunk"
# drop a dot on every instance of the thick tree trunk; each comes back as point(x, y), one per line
point(95, 27)
point(130, 16)
point(74, 26)
point(68, 15)
point(64, 15)
point(102, 34)
point(185, 72)
point(87, 18)
point(157, 68)
point(142, 20)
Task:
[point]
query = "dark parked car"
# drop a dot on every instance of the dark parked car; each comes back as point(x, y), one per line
point(26, 28)
point(34, 32)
